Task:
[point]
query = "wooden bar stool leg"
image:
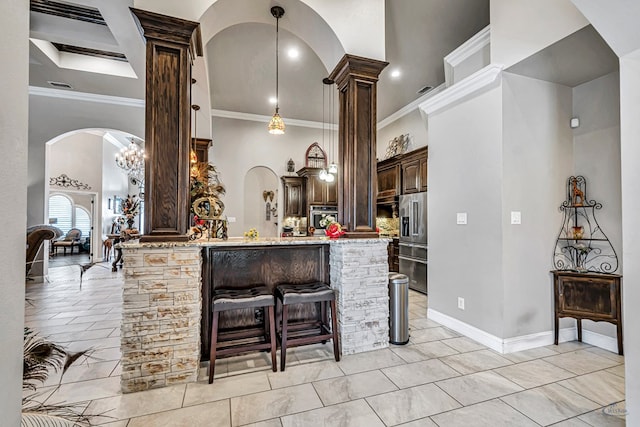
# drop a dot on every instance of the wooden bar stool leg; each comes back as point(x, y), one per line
point(214, 341)
point(283, 345)
point(334, 326)
point(272, 337)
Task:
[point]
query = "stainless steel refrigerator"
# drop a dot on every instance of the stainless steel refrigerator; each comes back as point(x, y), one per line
point(413, 240)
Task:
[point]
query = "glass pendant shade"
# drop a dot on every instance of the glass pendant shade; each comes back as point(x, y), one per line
point(333, 168)
point(323, 174)
point(276, 125)
point(329, 178)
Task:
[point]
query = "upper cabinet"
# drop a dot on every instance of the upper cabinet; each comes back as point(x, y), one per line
point(294, 196)
point(402, 174)
point(319, 192)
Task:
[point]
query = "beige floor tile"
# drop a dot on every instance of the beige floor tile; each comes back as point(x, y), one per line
point(215, 414)
point(602, 387)
point(305, 373)
point(274, 403)
point(464, 344)
point(225, 388)
point(549, 404)
point(478, 387)
point(423, 323)
point(411, 404)
point(121, 423)
point(431, 334)
point(475, 361)
point(422, 422)
point(269, 423)
point(425, 351)
point(354, 363)
point(606, 353)
point(493, 413)
point(83, 372)
point(355, 413)
point(572, 422)
point(80, 335)
point(352, 387)
point(531, 354)
point(86, 390)
point(138, 404)
point(609, 416)
point(565, 347)
point(405, 376)
point(310, 353)
point(534, 373)
point(581, 362)
point(618, 370)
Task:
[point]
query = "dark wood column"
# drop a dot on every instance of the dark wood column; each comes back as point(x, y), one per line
point(172, 44)
point(356, 79)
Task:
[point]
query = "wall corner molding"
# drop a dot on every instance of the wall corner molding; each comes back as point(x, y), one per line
point(410, 107)
point(472, 46)
point(84, 96)
point(480, 81)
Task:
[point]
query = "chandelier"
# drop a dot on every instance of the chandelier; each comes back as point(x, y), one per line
point(131, 160)
point(276, 125)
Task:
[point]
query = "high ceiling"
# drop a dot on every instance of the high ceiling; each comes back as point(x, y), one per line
point(241, 58)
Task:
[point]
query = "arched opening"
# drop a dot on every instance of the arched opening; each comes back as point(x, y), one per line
point(261, 201)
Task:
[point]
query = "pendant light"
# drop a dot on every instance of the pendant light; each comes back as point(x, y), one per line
point(323, 172)
point(333, 167)
point(276, 125)
point(193, 157)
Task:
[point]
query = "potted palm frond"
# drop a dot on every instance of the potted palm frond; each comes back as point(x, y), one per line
point(42, 356)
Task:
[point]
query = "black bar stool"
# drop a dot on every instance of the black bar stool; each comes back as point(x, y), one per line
point(234, 342)
point(302, 333)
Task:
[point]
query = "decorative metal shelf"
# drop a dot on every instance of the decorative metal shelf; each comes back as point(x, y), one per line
point(581, 244)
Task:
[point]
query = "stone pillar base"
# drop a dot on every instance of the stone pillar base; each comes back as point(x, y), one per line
point(359, 274)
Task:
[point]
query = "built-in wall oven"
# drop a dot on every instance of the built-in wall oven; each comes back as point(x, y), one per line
point(412, 247)
point(317, 213)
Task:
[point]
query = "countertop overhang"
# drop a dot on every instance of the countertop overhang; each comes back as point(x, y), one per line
point(240, 241)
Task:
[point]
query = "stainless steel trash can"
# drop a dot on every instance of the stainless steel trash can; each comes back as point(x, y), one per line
point(398, 308)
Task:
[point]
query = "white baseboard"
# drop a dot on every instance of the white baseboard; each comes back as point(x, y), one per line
point(523, 342)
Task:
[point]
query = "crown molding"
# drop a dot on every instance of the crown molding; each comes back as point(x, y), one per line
point(490, 76)
point(410, 107)
point(226, 114)
point(87, 97)
point(468, 48)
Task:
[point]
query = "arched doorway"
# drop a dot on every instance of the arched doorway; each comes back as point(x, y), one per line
point(261, 201)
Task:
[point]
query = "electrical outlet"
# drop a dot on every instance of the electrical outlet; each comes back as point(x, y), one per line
point(461, 303)
point(231, 219)
point(461, 218)
point(516, 217)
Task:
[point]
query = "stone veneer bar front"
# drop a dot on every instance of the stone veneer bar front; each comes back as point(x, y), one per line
point(162, 304)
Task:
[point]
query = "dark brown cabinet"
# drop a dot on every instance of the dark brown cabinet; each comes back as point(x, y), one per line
point(294, 196)
point(393, 250)
point(414, 171)
point(388, 180)
point(591, 296)
point(319, 192)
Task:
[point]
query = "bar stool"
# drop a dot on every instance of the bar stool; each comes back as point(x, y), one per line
point(303, 333)
point(236, 299)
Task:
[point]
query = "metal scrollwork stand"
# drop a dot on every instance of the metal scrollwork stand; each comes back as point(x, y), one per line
point(210, 209)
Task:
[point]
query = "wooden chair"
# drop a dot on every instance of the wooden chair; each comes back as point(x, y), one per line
point(70, 240)
point(242, 340)
point(302, 333)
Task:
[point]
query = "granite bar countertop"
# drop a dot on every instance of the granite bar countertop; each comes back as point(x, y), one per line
point(241, 241)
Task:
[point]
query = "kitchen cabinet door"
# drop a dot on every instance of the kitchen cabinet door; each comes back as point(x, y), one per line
point(331, 191)
point(411, 176)
point(294, 196)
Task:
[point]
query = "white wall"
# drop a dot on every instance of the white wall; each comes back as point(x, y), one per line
point(597, 158)
point(14, 78)
point(412, 123)
point(537, 159)
point(240, 145)
point(465, 175)
point(630, 153)
point(114, 183)
point(520, 28)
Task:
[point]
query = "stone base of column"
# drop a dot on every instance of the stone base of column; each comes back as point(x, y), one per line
point(359, 274)
point(161, 317)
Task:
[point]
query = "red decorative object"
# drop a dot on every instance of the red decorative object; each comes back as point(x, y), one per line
point(334, 230)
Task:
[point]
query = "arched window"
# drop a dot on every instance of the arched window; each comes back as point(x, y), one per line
point(65, 215)
point(61, 212)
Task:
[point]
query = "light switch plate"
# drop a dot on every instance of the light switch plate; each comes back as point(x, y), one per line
point(461, 218)
point(516, 217)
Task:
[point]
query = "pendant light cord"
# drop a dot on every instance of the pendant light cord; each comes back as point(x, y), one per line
point(277, 62)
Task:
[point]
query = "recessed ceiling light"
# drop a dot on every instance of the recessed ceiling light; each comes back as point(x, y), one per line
point(424, 89)
point(273, 100)
point(395, 73)
point(293, 53)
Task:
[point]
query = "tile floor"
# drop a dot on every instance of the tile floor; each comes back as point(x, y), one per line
point(439, 379)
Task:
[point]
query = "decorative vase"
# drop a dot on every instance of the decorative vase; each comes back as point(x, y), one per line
point(130, 222)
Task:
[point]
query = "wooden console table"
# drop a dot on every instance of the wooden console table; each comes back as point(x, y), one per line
point(591, 296)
